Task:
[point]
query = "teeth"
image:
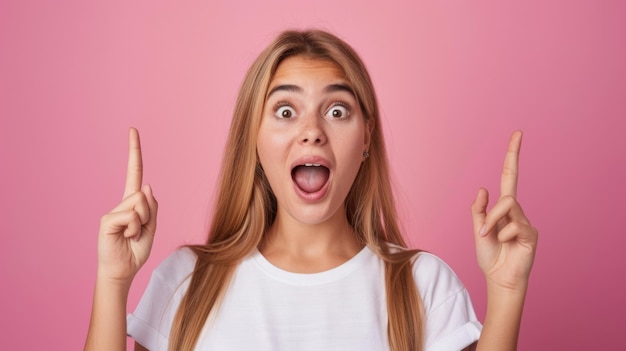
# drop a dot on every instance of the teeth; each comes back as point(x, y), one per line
point(312, 164)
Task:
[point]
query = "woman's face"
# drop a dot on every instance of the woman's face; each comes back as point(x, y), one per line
point(311, 139)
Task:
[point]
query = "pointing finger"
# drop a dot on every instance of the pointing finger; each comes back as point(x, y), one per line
point(508, 182)
point(134, 172)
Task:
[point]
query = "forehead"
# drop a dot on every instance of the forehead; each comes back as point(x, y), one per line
point(304, 70)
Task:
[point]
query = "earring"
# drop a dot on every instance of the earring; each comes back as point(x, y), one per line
point(366, 154)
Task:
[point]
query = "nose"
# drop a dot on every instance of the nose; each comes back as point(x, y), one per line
point(313, 131)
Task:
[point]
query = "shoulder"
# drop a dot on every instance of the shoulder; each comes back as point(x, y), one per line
point(435, 280)
point(176, 267)
point(428, 266)
point(451, 322)
point(151, 321)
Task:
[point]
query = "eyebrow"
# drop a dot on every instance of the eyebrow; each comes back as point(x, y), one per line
point(339, 87)
point(285, 87)
point(296, 89)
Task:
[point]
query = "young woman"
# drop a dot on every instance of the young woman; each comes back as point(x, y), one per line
point(304, 251)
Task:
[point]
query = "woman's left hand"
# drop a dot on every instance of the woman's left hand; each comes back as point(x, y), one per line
point(505, 240)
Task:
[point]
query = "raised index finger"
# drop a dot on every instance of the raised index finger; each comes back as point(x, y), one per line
point(134, 172)
point(508, 183)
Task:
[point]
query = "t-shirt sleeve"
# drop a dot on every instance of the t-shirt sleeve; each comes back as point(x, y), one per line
point(451, 322)
point(151, 321)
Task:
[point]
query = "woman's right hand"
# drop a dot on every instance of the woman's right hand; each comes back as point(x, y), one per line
point(127, 232)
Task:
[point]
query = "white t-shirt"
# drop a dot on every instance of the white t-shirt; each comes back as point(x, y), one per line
point(267, 308)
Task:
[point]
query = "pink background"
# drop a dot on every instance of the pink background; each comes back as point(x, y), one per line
point(454, 79)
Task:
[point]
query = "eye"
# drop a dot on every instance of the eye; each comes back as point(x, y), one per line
point(284, 111)
point(338, 110)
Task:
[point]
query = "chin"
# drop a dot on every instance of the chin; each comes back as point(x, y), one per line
point(314, 214)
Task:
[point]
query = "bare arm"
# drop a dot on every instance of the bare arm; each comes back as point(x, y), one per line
point(138, 347)
point(502, 322)
point(472, 347)
point(107, 329)
point(505, 246)
point(124, 242)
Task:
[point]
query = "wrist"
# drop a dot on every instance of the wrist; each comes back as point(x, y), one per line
point(505, 301)
point(501, 326)
point(113, 284)
point(508, 289)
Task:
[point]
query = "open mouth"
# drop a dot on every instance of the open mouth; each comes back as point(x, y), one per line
point(310, 177)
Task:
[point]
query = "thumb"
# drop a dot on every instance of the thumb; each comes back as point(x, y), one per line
point(479, 210)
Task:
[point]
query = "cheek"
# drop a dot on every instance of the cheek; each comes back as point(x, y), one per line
point(267, 157)
point(269, 162)
point(349, 153)
point(350, 143)
point(272, 149)
point(265, 142)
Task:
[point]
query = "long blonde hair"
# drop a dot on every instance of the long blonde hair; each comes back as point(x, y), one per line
point(246, 206)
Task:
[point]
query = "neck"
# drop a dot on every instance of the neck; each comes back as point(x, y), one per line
point(309, 248)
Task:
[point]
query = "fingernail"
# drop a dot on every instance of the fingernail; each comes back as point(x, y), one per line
point(482, 231)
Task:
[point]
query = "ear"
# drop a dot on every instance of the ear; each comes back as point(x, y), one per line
point(369, 129)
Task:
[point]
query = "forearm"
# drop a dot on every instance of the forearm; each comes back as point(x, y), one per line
point(107, 329)
point(502, 321)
